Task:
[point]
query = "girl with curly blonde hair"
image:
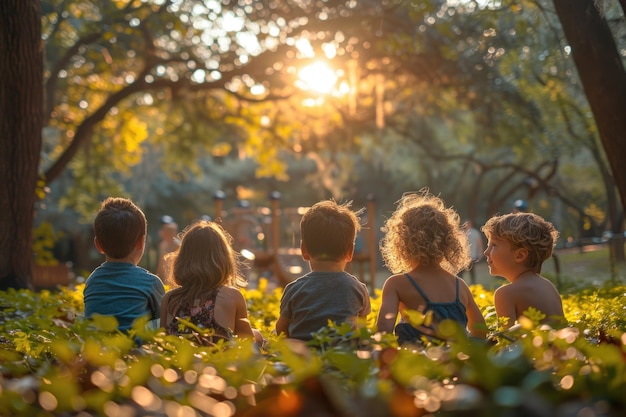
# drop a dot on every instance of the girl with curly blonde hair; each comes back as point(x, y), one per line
point(425, 247)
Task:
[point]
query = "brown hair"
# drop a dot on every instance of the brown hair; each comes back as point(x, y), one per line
point(422, 231)
point(204, 262)
point(329, 230)
point(525, 230)
point(118, 226)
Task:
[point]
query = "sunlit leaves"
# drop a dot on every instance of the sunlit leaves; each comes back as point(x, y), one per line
point(131, 135)
point(105, 323)
point(60, 392)
point(44, 237)
point(54, 360)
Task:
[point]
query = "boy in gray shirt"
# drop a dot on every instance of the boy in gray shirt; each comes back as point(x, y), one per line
point(328, 233)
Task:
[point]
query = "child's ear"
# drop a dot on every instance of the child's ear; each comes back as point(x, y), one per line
point(95, 242)
point(350, 254)
point(305, 253)
point(521, 254)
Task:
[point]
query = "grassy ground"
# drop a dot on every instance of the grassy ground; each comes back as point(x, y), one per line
point(578, 268)
point(591, 266)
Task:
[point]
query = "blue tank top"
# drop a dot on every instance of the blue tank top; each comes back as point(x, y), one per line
point(454, 310)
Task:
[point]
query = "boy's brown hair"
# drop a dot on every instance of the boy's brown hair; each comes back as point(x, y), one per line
point(329, 230)
point(118, 226)
point(525, 230)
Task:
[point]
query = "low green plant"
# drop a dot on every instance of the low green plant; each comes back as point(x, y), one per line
point(54, 362)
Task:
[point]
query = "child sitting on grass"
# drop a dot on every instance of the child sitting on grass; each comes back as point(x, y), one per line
point(328, 233)
point(425, 247)
point(206, 274)
point(519, 243)
point(119, 287)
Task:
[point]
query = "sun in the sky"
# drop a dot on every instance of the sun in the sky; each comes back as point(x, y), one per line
point(317, 77)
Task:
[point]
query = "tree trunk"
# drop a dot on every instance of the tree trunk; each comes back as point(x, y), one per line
point(602, 75)
point(21, 116)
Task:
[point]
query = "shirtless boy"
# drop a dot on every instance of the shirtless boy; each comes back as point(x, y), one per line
point(518, 245)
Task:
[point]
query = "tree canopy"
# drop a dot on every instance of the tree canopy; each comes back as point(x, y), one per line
point(479, 101)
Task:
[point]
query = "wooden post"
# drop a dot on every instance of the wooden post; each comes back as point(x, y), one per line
point(274, 198)
point(371, 242)
point(219, 197)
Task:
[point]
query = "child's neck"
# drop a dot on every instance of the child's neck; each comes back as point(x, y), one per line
point(426, 269)
point(133, 258)
point(327, 266)
point(120, 260)
point(523, 274)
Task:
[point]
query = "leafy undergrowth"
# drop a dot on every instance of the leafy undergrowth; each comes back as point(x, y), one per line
point(55, 363)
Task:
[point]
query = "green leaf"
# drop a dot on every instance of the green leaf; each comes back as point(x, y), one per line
point(105, 323)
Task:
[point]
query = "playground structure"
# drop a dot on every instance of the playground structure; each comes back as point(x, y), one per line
point(269, 237)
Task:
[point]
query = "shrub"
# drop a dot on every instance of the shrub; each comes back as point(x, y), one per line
point(53, 362)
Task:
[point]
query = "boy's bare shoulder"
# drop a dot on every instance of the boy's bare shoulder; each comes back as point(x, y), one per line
point(505, 288)
point(525, 287)
point(536, 281)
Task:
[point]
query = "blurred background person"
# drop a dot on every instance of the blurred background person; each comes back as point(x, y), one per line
point(169, 243)
point(477, 247)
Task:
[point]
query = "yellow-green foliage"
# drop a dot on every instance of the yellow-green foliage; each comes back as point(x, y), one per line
point(44, 238)
point(53, 362)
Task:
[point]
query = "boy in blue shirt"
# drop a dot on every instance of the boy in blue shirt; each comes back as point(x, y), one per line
point(119, 287)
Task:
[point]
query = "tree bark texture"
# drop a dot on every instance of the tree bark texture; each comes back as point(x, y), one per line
point(21, 118)
point(601, 72)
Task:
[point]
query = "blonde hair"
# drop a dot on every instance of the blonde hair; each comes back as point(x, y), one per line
point(528, 231)
point(422, 231)
point(204, 262)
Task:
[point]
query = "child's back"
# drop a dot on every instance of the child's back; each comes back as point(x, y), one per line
point(206, 273)
point(424, 246)
point(119, 287)
point(530, 290)
point(435, 289)
point(312, 300)
point(328, 233)
point(124, 291)
point(214, 311)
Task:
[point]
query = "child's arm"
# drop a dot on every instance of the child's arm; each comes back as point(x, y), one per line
point(242, 324)
point(476, 325)
point(504, 300)
point(367, 305)
point(282, 326)
point(164, 303)
point(388, 312)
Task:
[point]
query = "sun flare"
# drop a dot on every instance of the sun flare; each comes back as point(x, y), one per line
point(317, 77)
